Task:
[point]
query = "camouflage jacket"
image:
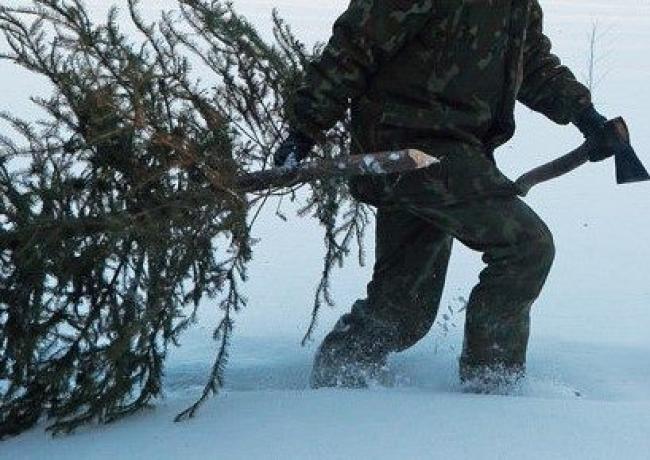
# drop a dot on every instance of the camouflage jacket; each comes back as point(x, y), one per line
point(421, 71)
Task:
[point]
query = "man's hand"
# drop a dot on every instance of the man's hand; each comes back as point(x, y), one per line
point(592, 124)
point(293, 150)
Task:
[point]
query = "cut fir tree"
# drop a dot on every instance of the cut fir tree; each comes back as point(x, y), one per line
point(120, 209)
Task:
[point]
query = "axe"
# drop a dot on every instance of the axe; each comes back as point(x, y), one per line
point(615, 139)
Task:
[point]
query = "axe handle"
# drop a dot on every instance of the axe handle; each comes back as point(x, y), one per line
point(553, 169)
point(616, 135)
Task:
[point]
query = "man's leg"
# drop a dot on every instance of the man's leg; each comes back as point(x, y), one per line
point(403, 297)
point(518, 250)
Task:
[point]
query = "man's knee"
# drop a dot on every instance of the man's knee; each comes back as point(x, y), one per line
point(525, 260)
point(542, 248)
point(533, 258)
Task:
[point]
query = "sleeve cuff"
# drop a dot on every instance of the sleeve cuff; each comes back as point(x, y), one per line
point(589, 121)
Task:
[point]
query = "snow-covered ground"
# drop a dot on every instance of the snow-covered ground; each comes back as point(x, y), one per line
point(588, 391)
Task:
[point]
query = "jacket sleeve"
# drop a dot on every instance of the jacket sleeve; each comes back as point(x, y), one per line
point(368, 33)
point(549, 87)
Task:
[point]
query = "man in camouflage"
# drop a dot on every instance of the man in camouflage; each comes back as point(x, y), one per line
point(441, 76)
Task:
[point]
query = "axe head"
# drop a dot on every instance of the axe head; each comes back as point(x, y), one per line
point(628, 166)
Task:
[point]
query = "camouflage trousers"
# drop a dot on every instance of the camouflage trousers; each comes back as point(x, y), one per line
point(466, 198)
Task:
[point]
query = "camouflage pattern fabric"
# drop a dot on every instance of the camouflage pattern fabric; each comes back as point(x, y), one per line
point(442, 76)
point(417, 70)
point(419, 215)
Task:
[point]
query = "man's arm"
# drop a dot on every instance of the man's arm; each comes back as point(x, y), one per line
point(549, 87)
point(368, 33)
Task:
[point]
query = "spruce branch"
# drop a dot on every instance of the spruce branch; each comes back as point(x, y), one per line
point(119, 209)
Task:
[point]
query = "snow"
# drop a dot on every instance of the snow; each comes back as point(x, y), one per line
point(588, 391)
point(371, 164)
point(267, 412)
